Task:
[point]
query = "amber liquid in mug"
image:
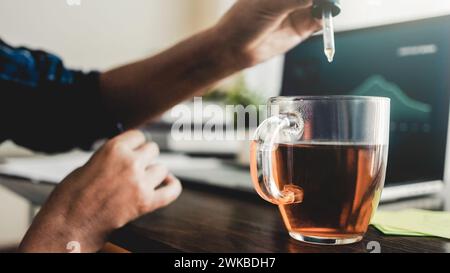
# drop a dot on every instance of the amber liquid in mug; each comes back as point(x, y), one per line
point(342, 185)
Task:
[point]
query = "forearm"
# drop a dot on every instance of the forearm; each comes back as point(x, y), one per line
point(139, 92)
point(55, 234)
point(55, 227)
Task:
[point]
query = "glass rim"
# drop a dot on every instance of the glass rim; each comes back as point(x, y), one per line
point(328, 98)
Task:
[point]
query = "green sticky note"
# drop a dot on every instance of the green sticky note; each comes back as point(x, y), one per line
point(413, 222)
point(388, 230)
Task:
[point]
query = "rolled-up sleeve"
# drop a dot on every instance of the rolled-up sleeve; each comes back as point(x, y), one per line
point(46, 107)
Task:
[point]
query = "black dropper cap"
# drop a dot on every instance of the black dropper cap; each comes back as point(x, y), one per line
point(320, 5)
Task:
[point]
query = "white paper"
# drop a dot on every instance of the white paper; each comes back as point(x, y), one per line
point(55, 168)
point(44, 168)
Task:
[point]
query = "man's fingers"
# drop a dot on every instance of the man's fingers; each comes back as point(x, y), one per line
point(132, 139)
point(167, 193)
point(147, 153)
point(304, 28)
point(295, 4)
point(156, 175)
point(285, 6)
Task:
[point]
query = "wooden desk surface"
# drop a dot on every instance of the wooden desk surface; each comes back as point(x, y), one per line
point(219, 221)
point(202, 221)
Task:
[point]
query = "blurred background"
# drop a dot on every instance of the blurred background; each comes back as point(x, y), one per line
point(101, 34)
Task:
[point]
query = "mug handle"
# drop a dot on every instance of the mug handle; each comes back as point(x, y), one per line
point(265, 139)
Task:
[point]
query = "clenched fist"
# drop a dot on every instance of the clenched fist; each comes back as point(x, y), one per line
point(119, 183)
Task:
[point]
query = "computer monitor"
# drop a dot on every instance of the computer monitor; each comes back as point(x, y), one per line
point(407, 62)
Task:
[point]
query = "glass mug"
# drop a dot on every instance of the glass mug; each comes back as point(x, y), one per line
point(322, 160)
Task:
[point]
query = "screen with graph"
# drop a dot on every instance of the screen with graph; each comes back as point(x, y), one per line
point(407, 62)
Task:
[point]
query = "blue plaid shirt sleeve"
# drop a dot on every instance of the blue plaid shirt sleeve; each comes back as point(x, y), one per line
point(46, 107)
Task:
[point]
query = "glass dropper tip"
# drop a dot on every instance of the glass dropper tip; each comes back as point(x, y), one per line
point(328, 34)
point(329, 52)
